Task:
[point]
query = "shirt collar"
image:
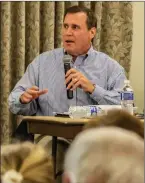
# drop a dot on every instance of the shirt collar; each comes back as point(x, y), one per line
point(91, 50)
point(84, 55)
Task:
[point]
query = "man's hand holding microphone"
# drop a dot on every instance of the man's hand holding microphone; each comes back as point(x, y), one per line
point(78, 80)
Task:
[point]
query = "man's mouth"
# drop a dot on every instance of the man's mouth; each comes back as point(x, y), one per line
point(69, 41)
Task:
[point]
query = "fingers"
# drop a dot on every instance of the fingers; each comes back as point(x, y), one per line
point(34, 88)
point(77, 84)
point(27, 95)
point(32, 93)
point(82, 82)
point(25, 98)
point(41, 92)
point(71, 71)
point(72, 76)
point(37, 92)
point(74, 84)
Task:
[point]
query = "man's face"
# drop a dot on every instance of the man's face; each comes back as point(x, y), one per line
point(75, 34)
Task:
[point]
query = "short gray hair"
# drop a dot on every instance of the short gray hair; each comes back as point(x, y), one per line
point(107, 154)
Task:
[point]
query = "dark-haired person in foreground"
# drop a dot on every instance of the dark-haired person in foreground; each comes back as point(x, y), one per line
point(95, 77)
point(119, 118)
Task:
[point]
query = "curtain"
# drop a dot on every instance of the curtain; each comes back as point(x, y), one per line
point(30, 28)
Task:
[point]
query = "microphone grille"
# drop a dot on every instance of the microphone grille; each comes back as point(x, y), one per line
point(67, 58)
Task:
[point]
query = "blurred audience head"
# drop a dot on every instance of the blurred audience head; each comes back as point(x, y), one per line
point(105, 155)
point(119, 118)
point(25, 163)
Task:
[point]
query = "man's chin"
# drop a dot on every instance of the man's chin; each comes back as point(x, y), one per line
point(70, 51)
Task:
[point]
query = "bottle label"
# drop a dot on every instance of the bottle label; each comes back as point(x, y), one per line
point(93, 110)
point(127, 96)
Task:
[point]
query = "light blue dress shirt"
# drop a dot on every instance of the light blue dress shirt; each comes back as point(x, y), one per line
point(47, 71)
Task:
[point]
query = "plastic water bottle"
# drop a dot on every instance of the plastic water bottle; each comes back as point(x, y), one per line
point(83, 111)
point(127, 97)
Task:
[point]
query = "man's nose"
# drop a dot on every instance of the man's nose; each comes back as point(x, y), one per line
point(69, 31)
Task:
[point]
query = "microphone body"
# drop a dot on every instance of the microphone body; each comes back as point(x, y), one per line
point(67, 66)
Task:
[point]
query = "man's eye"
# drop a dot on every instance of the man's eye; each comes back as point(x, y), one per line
point(65, 26)
point(75, 27)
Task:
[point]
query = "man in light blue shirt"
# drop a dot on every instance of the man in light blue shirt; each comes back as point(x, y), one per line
point(95, 77)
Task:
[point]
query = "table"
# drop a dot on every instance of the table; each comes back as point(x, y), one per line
point(54, 126)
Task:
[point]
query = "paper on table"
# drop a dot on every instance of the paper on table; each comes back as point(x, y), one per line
point(108, 107)
point(105, 108)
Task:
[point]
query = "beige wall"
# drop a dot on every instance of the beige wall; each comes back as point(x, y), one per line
point(137, 62)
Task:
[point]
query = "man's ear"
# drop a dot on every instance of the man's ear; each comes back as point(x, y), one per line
point(92, 32)
point(65, 178)
point(68, 177)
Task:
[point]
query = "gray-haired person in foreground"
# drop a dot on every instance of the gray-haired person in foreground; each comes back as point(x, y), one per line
point(105, 155)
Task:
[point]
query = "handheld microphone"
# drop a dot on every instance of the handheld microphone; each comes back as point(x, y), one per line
point(67, 60)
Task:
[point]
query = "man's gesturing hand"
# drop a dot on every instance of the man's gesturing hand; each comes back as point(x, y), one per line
point(31, 93)
point(78, 80)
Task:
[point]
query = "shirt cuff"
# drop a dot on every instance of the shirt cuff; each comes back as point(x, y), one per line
point(98, 93)
point(17, 102)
